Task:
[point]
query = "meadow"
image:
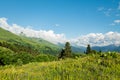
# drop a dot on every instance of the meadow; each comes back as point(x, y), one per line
point(104, 66)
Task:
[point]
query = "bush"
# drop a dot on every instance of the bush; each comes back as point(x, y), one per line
point(78, 55)
point(25, 57)
point(6, 56)
point(109, 55)
point(113, 54)
point(19, 62)
point(45, 57)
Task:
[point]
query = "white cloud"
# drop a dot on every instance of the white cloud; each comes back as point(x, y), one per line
point(95, 39)
point(98, 39)
point(110, 11)
point(115, 22)
point(3, 23)
point(47, 35)
point(106, 11)
point(56, 25)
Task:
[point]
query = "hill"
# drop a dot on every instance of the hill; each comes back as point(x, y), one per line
point(23, 44)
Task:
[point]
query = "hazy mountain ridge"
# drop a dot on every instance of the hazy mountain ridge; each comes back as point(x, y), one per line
point(76, 48)
point(98, 48)
point(107, 48)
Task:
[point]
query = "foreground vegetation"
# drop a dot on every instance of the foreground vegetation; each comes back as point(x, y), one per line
point(103, 66)
point(18, 50)
point(8, 57)
point(24, 58)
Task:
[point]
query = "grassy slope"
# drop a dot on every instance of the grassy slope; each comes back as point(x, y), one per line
point(44, 42)
point(37, 43)
point(84, 68)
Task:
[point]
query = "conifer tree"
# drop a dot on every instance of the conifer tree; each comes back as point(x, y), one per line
point(88, 50)
point(67, 49)
point(62, 54)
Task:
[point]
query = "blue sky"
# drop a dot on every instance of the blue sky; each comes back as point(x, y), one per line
point(71, 17)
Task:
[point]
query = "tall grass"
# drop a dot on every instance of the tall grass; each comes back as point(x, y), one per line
point(92, 67)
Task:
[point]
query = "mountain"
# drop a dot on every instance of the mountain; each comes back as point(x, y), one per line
point(107, 48)
point(97, 48)
point(23, 44)
point(75, 49)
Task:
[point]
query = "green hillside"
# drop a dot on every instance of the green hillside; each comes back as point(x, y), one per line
point(18, 50)
point(85, 67)
point(24, 44)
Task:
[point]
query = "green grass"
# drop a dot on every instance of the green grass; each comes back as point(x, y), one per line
point(40, 45)
point(89, 67)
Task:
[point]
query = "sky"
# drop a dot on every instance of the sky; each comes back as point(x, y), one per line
point(79, 21)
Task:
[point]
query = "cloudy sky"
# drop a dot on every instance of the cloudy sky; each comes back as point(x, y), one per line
point(82, 22)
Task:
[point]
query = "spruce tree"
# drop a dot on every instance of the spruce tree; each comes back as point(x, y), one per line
point(67, 49)
point(62, 54)
point(88, 50)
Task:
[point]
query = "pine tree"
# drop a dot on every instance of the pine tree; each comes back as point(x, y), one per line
point(62, 54)
point(88, 50)
point(67, 49)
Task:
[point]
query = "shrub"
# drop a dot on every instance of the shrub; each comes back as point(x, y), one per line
point(45, 57)
point(19, 62)
point(25, 57)
point(6, 56)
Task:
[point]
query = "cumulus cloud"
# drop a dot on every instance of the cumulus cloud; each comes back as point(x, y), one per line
point(94, 39)
point(98, 39)
point(47, 35)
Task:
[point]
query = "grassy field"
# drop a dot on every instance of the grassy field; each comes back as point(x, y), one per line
point(86, 67)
